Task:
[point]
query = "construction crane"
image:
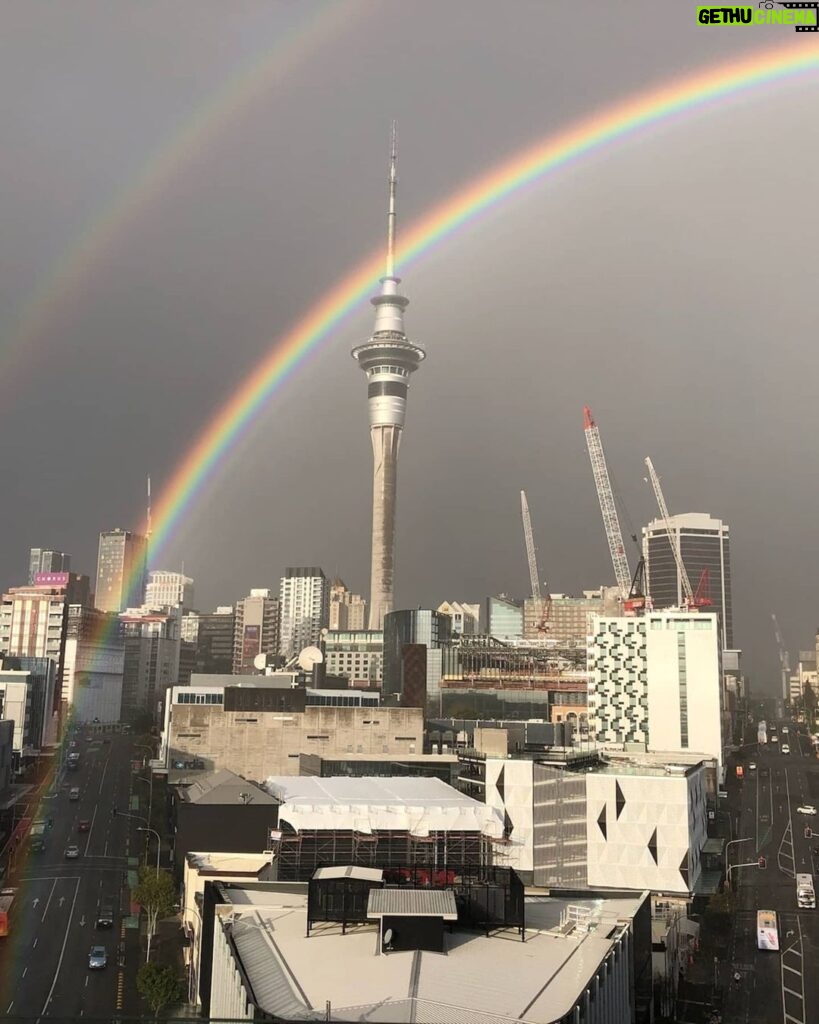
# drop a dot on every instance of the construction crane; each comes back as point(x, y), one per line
point(784, 660)
point(611, 522)
point(673, 540)
point(543, 606)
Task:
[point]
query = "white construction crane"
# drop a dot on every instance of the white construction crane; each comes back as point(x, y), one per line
point(784, 660)
point(542, 606)
point(673, 537)
point(611, 522)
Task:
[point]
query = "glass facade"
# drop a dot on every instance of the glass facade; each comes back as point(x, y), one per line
point(121, 570)
point(704, 545)
point(418, 626)
point(504, 617)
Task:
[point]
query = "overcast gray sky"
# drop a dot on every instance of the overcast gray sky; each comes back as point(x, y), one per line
point(666, 281)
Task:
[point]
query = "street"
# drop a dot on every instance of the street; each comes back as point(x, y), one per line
point(44, 959)
point(773, 986)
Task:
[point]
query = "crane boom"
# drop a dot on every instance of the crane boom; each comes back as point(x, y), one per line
point(688, 592)
point(531, 558)
point(543, 606)
point(611, 522)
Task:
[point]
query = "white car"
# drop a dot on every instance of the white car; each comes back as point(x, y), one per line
point(774, 739)
point(806, 809)
point(785, 748)
point(752, 766)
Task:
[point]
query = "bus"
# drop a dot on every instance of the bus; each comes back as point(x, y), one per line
point(6, 900)
point(767, 936)
point(37, 836)
point(805, 894)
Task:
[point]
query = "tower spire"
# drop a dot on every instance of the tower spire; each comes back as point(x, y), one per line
point(390, 272)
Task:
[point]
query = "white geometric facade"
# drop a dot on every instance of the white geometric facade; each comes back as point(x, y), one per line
point(618, 688)
point(510, 791)
point(646, 831)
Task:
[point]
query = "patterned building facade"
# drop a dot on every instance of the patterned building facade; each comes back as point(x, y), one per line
point(618, 680)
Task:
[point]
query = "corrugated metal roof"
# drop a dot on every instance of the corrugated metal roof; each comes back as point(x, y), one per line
point(366, 874)
point(412, 903)
point(272, 988)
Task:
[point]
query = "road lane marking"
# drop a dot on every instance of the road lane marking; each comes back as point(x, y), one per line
point(91, 830)
point(102, 777)
point(65, 943)
point(34, 944)
point(86, 981)
point(10, 1006)
point(25, 971)
point(48, 901)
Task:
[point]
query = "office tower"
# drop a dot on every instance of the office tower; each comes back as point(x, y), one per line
point(410, 627)
point(121, 565)
point(703, 543)
point(151, 662)
point(465, 617)
point(256, 629)
point(504, 617)
point(211, 634)
point(347, 611)
point(304, 598)
point(46, 560)
point(93, 665)
point(388, 359)
point(354, 654)
point(168, 590)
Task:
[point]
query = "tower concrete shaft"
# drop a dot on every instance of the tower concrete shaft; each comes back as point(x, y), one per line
point(388, 359)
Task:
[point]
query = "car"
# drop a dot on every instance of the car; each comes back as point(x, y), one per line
point(784, 730)
point(72, 852)
point(74, 793)
point(83, 825)
point(752, 766)
point(785, 748)
point(806, 809)
point(774, 739)
point(97, 958)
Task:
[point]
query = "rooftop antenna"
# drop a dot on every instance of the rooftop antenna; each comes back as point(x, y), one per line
point(391, 219)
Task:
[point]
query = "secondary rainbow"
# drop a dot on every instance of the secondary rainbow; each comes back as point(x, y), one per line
point(587, 136)
point(48, 301)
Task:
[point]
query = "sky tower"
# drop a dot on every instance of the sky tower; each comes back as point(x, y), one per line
point(388, 359)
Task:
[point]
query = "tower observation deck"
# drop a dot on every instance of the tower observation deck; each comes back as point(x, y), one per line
point(388, 359)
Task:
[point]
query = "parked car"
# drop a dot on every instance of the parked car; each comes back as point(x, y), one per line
point(97, 958)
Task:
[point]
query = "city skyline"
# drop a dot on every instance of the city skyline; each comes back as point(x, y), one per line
point(645, 337)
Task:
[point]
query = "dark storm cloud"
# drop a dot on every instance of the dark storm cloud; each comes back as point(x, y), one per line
point(666, 282)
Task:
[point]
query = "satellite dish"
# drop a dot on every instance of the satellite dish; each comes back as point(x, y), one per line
point(260, 662)
point(309, 657)
point(388, 937)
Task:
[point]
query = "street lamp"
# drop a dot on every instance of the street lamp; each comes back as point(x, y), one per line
point(733, 842)
point(144, 828)
point(150, 780)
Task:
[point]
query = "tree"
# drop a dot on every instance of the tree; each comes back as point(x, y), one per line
point(158, 986)
point(156, 894)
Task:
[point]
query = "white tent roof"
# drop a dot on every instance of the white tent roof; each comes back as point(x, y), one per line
point(396, 804)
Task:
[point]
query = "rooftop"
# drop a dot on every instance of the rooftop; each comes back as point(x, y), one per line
point(566, 941)
point(415, 805)
point(224, 787)
point(224, 864)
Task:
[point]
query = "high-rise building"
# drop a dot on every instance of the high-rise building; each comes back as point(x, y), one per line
point(166, 589)
point(504, 617)
point(655, 682)
point(703, 543)
point(465, 617)
point(93, 668)
point(121, 565)
point(211, 634)
point(46, 560)
point(256, 629)
point(33, 620)
point(388, 359)
point(347, 611)
point(355, 655)
point(412, 627)
point(569, 617)
point(151, 662)
point(304, 598)
point(27, 698)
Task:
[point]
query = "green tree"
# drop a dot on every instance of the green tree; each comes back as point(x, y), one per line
point(156, 894)
point(158, 986)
